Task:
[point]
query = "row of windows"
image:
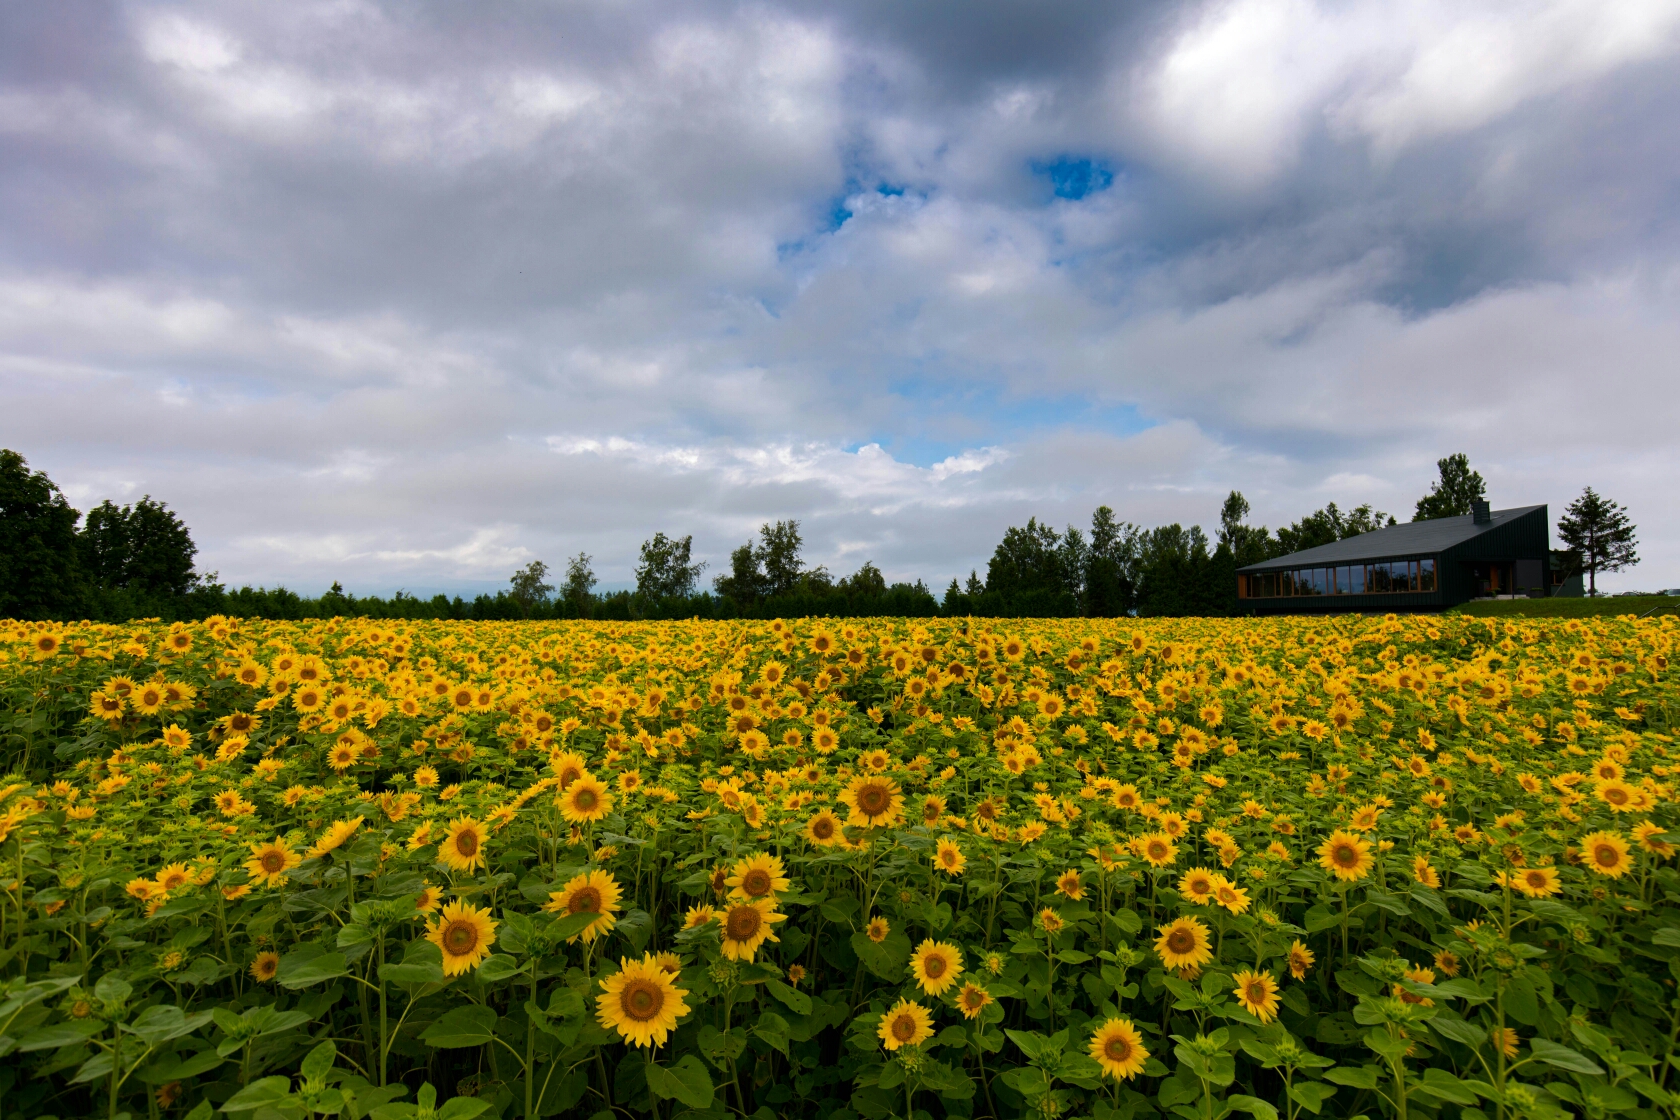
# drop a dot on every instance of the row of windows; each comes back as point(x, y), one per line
point(1385, 577)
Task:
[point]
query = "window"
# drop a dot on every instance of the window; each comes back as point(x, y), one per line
point(1381, 577)
point(1350, 580)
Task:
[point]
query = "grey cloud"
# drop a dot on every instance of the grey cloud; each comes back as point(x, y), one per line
point(353, 285)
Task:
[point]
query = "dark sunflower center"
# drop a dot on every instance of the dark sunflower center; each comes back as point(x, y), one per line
point(641, 1000)
point(872, 800)
point(1256, 993)
point(1605, 856)
point(1118, 1049)
point(1181, 941)
point(743, 923)
point(822, 828)
point(585, 900)
point(467, 843)
point(460, 937)
point(585, 799)
point(272, 862)
point(1346, 855)
point(904, 1028)
point(934, 966)
point(756, 882)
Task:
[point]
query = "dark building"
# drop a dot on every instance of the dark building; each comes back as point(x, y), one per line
point(1422, 566)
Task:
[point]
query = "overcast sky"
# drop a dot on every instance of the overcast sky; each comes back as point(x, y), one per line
point(408, 294)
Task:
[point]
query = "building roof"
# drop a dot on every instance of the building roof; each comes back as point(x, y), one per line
point(1417, 538)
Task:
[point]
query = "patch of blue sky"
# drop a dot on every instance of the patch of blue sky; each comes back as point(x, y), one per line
point(834, 212)
point(1075, 177)
point(948, 422)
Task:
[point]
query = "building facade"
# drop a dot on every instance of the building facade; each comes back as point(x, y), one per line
point(1421, 566)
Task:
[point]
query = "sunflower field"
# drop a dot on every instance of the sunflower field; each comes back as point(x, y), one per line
point(1338, 867)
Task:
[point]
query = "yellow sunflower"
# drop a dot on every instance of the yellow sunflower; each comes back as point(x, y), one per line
point(823, 830)
point(1606, 853)
point(874, 800)
point(972, 1000)
point(1300, 960)
point(641, 1002)
point(1257, 993)
point(334, 837)
point(1118, 1048)
point(586, 799)
point(1184, 944)
point(462, 849)
point(173, 876)
point(270, 862)
point(936, 966)
point(568, 767)
point(758, 876)
point(906, 1024)
point(264, 966)
point(949, 858)
point(746, 926)
point(1158, 849)
point(1198, 884)
point(594, 892)
point(1346, 855)
point(465, 934)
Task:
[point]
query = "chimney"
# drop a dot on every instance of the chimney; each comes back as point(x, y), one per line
point(1480, 514)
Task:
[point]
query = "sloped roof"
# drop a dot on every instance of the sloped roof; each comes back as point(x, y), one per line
point(1412, 539)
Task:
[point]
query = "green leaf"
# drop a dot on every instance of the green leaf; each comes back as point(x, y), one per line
point(351, 934)
point(571, 925)
point(1032, 1044)
point(1555, 1054)
point(319, 1061)
point(411, 973)
point(1311, 1095)
point(635, 927)
point(1668, 935)
point(472, 1025)
point(793, 999)
point(1386, 1044)
point(1128, 921)
point(1254, 1106)
point(1449, 1088)
point(269, 1091)
point(64, 1034)
point(772, 1028)
point(95, 1068)
point(1320, 918)
point(173, 1068)
point(1457, 1030)
point(462, 1108)
point(885, 959)
point(1354, 1077)
point(838, 910)
point(157, 1025)
point(685, 1080)
point(1467, 990)
point(299, 970)
point(498, 966)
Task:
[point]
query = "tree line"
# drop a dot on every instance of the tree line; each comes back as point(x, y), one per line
point(137, 561)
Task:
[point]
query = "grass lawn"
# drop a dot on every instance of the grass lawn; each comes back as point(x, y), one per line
point(1649, 605)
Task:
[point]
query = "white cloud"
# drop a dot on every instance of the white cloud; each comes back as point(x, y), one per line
point(1241, 88)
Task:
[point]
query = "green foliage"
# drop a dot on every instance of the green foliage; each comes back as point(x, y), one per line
point(1454, 493)
point(39, 574)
